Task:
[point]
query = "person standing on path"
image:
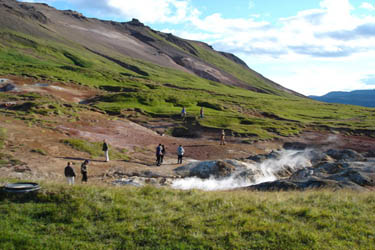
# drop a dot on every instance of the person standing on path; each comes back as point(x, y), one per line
point(158, 155)
point(162, 153)
point(183, 113)
point(84, 170)
point(201, 113)
point(69, 174)
point(180, 154)
point(222, 137)
point(106, 150)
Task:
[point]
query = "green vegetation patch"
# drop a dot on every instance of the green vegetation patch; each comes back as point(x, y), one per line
point(8, 160)
point(2, 137)
point(92, 217)
point(94, 149)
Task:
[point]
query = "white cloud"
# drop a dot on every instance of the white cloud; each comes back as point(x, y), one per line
point(170, 11)
point(251, 4)
point(367, 6)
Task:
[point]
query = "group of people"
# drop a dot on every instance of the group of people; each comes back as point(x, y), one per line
point(69, 171)
point(161, 152)
point(70, 174)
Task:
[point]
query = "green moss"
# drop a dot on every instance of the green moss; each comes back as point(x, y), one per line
point(3, 132)
point(38, 151)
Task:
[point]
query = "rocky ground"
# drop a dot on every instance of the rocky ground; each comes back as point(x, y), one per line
point(140, 142)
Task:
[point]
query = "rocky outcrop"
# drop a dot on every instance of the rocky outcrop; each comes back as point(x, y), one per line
point(206, 169)
point(334, 169)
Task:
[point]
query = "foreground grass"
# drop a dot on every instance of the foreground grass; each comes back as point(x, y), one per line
point(91, 217)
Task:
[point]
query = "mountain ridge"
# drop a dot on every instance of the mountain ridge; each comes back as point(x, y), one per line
point(365, 98)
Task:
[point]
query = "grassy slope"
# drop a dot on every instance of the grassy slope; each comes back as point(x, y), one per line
point(90, 217)
point(165, 90)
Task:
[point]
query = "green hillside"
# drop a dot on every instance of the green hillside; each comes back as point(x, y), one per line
point(160, 91)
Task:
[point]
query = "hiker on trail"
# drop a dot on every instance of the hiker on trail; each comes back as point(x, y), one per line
point(158, 155)
point(183, 113)
point(180, 154)
point(201, 113)
point(106, 149)
point(84, 170)
point(69, 174)
point(162, 153)
point(222, 137)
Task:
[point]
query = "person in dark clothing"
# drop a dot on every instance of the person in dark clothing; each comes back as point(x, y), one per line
point(69, 174)
point(158, 155)
point(162, 153)
point(201, 113)
point(105, 149)
point(84, 170)
point(180, 154)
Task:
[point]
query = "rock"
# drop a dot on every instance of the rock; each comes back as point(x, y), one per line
point(21, 169)
point(223, 169)
point(295, 146)
point(279, 185)
point(302, 174)
point(356, 175)
point(124, 181)
point(330, 167)
point(345, 155)
point(370, 154)
point(262, 157)
point(205, 169)
point(8, 87)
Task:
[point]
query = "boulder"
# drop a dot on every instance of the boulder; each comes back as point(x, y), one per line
point(205, 169)
point(345, 155)
point(8, 87)
point(279, 185)
point(262, 157)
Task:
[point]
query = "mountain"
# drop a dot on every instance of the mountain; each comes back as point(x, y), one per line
point(133, 39)
point(364, 98)
point(134, 72)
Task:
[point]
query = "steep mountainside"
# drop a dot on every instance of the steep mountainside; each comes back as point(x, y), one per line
point(132, 39)
point(364, 98)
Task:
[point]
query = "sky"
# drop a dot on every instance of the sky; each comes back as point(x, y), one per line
point(312, 47)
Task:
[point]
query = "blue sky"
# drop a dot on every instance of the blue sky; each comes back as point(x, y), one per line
point(312, 47)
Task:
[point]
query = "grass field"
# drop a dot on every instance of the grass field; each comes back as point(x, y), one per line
point(102, 217)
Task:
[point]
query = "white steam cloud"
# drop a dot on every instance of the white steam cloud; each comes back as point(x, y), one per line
point(248, 174)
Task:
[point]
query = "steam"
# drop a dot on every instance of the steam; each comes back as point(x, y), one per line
point(285, 163)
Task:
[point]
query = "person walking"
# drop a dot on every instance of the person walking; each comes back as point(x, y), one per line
point(180, 154)
point(69, 174)
point(162, 153)
point(84, 170)
point(201, 113)
point(183, 113)
point(222, 137)
point(106, 150)
point(158, 155)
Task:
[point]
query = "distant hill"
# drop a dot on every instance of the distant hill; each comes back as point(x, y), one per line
point(365, 98)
